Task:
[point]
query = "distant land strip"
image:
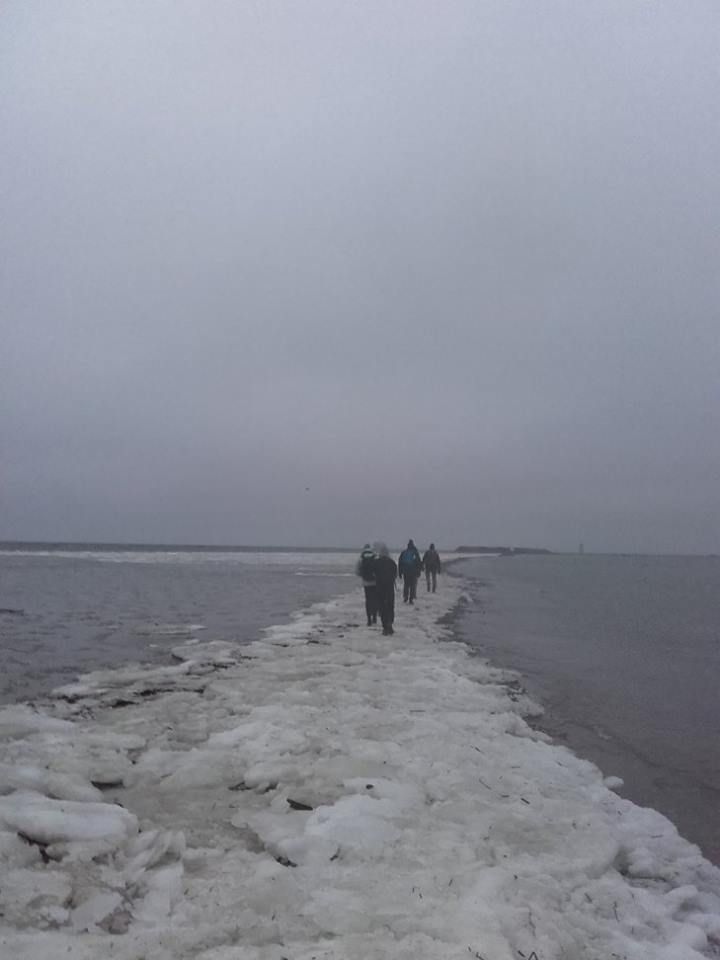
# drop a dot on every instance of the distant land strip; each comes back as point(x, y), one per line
point(503, 551)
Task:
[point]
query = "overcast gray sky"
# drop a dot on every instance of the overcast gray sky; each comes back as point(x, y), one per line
point(324, 271)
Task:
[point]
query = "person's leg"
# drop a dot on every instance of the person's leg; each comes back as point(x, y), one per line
point(413, 588)
point(434, 580)
point(368, 604)
point(391, 610)
point(406, 588)
point(384, 600)
point(427, 579)
point(373, 612)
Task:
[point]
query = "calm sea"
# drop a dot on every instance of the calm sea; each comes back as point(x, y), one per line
point(624, 653)
point(67, 611)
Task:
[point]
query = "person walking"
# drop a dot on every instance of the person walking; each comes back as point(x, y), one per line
point(385, 577)
point(409, 567)
point(432, 566)
point(365, 569)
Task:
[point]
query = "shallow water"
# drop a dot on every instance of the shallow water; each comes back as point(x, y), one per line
point(65, 612)
point(624, 654)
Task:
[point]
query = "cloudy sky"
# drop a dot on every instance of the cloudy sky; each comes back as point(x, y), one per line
point(323, 271)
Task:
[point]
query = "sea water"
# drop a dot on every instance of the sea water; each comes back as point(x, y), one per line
point(624, 654)
point(67, 611)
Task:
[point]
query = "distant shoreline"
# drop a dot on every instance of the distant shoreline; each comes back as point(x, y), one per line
point(77, 546)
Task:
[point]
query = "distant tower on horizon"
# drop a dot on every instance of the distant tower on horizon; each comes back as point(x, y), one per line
point(581, 548)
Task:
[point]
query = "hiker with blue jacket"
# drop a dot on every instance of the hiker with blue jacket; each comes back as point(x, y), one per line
point(409, 567)
point(365, 569)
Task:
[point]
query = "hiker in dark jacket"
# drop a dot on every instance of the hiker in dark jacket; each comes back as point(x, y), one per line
point(385, 577)
point(365, 569)
point(431, 565)
point(409, 567)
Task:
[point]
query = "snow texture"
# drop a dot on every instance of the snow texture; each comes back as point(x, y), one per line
point(328, 793)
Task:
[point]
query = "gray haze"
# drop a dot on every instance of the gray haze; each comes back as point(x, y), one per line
point(320, 272)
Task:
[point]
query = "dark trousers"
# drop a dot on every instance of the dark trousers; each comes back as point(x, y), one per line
point(409, 587)
point(431, 574)
point(371, 604)
point(386, 606)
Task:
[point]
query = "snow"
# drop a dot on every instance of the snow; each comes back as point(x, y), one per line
point(328, 793)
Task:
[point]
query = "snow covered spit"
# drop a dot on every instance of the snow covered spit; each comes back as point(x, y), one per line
point(328, 793)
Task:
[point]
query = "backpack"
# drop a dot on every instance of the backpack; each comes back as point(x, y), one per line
point(432, 560)
point(408, 559)
point(367, 566)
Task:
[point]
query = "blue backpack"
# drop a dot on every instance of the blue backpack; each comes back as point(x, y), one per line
point(408, 559)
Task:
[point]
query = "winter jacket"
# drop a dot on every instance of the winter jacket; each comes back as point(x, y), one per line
point(385, 573)
point(410, 566)
point(365, 567)
point(431, 561)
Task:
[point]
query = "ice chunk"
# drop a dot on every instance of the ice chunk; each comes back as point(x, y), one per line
point(613, 783)
point(47, 821)
point(18, 721)
point(95, 910)
point(164, 888)
point(56, 785)
point(217, 652)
